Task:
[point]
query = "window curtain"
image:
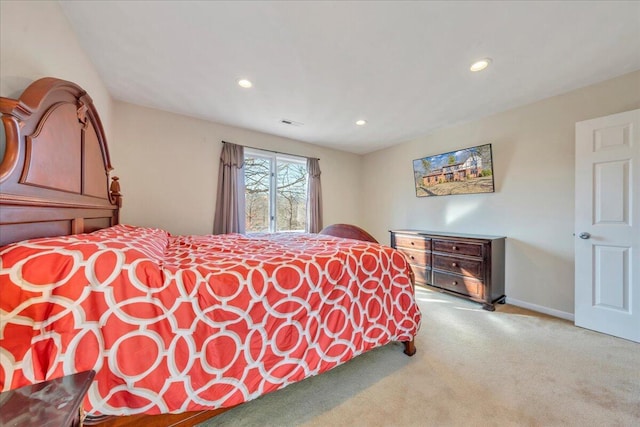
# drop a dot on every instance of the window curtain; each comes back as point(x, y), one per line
point(314, 197)
point(229, 216)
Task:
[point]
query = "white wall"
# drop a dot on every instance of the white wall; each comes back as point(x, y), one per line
point(36, 41)
point(168, 169)
point(533, 154)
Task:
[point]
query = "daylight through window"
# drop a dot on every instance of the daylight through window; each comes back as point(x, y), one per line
point(275, 192)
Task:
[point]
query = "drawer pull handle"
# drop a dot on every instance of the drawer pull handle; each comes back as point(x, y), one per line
point(412, 257)
point(455, 248)
point(412, 243)
point(454, 283)
point(454, 264)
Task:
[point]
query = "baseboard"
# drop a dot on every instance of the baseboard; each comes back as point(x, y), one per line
point(541, 309)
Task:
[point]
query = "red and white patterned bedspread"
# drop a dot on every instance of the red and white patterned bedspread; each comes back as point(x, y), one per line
point(179, 323)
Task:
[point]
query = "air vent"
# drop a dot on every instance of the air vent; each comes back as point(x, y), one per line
point(290, 122)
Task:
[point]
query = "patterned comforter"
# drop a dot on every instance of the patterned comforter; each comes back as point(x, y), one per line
point(180, 323)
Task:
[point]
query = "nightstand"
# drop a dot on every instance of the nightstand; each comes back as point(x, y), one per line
point(53, 403)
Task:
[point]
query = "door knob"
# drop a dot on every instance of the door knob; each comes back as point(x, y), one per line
point(584, 235)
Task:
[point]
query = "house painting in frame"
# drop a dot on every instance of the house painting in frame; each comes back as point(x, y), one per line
point(465, 171)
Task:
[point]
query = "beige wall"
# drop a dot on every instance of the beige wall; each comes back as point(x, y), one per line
point(36, 41)
point(168, 168)
point(533, 153)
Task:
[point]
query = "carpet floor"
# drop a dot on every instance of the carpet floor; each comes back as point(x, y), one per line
point(511, 367)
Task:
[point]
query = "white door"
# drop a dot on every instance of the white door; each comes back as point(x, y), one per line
point(607, 221)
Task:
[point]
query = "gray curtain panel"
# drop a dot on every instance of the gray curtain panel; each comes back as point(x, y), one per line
point(314, 197)
point(229, 216)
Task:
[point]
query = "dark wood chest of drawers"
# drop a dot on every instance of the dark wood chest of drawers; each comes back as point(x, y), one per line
point(466, 265)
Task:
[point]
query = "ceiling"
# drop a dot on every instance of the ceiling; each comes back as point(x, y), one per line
point(402, 66)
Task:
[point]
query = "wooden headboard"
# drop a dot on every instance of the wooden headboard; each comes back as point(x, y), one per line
point(54, 177)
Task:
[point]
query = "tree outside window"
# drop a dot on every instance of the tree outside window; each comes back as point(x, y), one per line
point(275, 192)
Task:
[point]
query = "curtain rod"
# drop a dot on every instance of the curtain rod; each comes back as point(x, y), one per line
point(271, 151)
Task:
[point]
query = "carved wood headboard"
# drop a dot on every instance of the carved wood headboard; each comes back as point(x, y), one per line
point(54, 177)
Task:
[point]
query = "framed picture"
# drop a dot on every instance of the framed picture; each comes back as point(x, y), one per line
point(465, 171)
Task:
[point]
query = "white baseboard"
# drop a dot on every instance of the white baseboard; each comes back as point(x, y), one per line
point(541, 309)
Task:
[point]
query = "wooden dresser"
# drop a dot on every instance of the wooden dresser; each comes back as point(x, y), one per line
point(466, 265)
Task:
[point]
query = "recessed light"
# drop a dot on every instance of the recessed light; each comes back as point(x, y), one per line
point(361, 122)
point(245, 83)
point(480, 65)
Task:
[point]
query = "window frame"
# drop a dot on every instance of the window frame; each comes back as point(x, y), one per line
point(273, 158)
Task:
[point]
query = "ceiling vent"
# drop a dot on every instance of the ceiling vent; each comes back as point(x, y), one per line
point(290, 122)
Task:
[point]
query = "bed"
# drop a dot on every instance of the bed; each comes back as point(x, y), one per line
point(177, 328)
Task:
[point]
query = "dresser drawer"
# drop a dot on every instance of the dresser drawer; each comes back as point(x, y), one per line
point(413, 242)
point(470, 266)
point(453, 247)
point(464, 266)
point(459, 284)
point(422, 274)
point(419, 258)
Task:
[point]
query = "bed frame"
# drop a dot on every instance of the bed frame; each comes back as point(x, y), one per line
point(348, 231)
point(54, 177)
point(54, 181)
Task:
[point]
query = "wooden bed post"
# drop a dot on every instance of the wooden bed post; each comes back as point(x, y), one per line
point(410, 347)
point(114, 191)
point(116, 198)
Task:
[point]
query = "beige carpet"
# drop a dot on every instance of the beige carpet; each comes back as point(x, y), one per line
point(512, 367)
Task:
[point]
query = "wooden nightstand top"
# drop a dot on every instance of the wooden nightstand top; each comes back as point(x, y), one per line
point(52, 403)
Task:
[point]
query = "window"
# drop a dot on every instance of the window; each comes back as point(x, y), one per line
point(275, 192)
